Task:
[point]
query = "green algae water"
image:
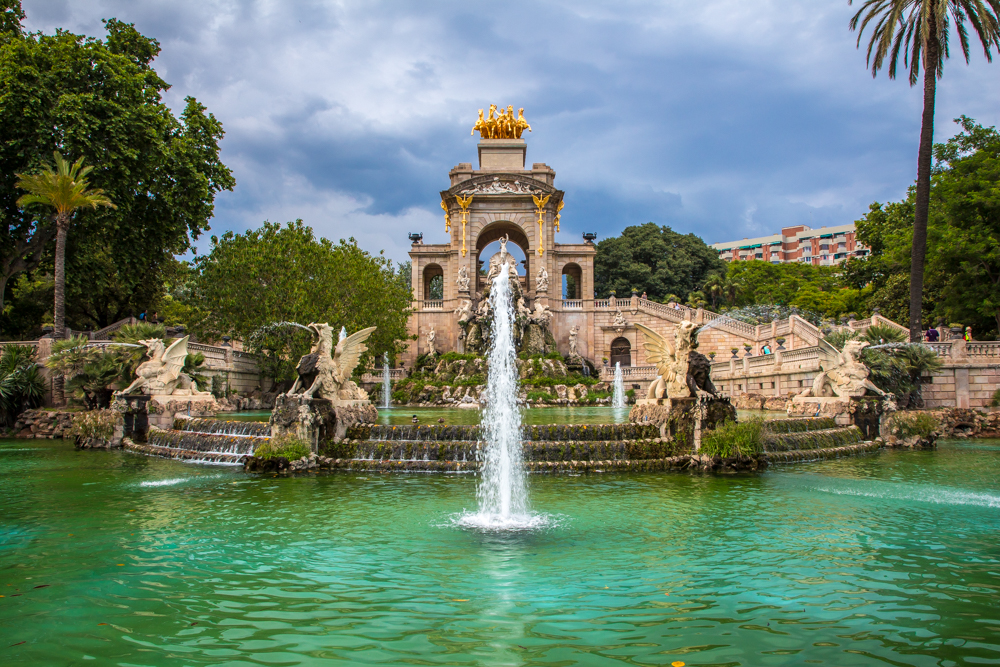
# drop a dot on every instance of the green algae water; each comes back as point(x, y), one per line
point(114, 558)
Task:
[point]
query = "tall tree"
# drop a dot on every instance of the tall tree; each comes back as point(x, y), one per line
point(284, 273)
point(101, 99)
point(64, 190)
point(920, 30)
point(653, 259)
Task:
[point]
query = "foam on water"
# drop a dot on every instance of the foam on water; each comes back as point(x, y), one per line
point(938, 495)
point(164, 482)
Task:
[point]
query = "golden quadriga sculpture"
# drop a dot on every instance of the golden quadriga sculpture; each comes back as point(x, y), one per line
point(504, 126)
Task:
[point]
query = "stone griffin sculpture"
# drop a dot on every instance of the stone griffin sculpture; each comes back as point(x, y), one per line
point(682, 370)
point(161, 374)
point(843, 375)
point(326, 371)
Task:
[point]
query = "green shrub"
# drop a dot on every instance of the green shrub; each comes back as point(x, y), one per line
point(996, 399)
point(95, 425)
point(288, 446)
point(734, 439)
point(906, 425)
point(539, 396)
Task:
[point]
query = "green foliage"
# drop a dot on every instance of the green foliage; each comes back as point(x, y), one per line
point(995, 402)
point(884, 333)
point(539, 395)
point(655, 260)
point(287, 446)
point(95, 382)
point(95, 425)
point(21, 384)
point(809, 288)
point(284, 273)
point(906, 425)
point(734, 439)
point(456, 356)
point(100, 100)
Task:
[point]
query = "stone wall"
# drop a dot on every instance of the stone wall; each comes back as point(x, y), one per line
point(43, 424)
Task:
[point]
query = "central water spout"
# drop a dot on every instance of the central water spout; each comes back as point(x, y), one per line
point(502, 491)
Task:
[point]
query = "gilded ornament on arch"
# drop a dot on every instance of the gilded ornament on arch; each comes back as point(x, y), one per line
point(464, 204)
point(447, 217)
point(501, 126)
point(540, 203)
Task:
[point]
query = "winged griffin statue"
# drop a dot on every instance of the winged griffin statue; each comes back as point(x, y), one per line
point(682, 371)
point(161, 375)
point(843, 374)
point(326, 371)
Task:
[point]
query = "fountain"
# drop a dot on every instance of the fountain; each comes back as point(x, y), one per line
point(502, 490)
point(386, 382)
point(618, 393)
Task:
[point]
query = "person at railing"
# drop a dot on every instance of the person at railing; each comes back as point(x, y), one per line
point(932, 335)
point(968, 334)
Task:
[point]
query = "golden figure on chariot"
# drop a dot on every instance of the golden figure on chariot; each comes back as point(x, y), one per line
point(502, 126)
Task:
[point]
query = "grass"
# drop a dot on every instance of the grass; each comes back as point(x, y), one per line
point(734, 439)
point(907, 425)
point(287, 446)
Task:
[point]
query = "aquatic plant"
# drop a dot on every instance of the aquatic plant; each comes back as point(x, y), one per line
point(287, 446)
point(95, 425)
point(734, 439)
point(906, 425)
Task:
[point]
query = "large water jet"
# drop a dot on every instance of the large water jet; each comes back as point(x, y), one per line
point(618, 391)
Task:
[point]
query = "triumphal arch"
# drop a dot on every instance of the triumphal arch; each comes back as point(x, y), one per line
point(502, 199)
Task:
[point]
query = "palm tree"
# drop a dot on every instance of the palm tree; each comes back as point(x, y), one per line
point(64, 189)
point(715, 287)
point(920, 29)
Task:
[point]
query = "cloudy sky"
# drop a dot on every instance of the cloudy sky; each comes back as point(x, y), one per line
point(727, 118)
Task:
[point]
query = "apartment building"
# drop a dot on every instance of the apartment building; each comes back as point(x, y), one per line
point(825, 246)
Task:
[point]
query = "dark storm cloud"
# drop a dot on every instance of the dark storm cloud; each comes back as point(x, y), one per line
point(725, 118)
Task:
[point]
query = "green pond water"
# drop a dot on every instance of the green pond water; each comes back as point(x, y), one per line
point(112, 558)
point(459, 416)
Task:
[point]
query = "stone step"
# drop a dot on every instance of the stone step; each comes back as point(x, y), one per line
point(549, 432)
point(222, 426)
point(810, 440)
point(236, 445)
point(466, 450)
point(185, 454)
point(804, 455)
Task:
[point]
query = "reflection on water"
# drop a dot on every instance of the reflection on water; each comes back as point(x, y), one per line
point(889, 559)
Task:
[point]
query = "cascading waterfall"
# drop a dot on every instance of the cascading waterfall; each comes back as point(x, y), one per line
point(503, 489)
point(618, 392)
point(386, 382)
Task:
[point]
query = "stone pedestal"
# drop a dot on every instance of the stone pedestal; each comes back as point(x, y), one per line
point(683, 419)
point(867, 412)
point(135, 414)
point(318, 420)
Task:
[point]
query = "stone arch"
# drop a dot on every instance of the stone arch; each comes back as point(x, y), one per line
point(433, 278)
point(572, 281)
point(621, 351)
point(494, 231)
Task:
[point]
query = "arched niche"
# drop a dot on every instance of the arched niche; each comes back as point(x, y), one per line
point(572, 281)
point(433, 282)
point(488, 243)
point(621, 352)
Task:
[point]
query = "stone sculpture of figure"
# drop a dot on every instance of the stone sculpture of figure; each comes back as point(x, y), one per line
point(843, 375)
point(674, 362)
point(463, 279)
point(491, 124)
point(542, 315)
point(522, 308)
point(619, 320)
point(326, 371)
point(503, 247)
point(573, 334)
point(431, 336)
point(464, 312)
point(542, 280)
point(161, 374)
